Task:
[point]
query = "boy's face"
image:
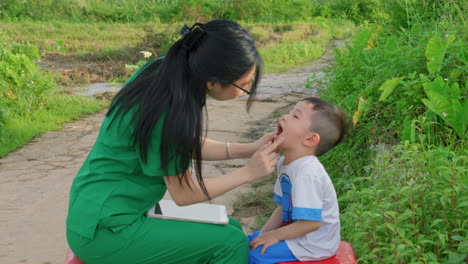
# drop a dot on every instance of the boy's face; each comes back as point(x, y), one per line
point(295, 126)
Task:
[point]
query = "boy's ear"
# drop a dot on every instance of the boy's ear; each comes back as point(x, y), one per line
point(312, 140)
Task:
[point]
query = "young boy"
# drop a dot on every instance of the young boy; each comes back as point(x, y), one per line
point(305, 226)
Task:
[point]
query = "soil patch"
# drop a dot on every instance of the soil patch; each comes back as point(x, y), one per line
point(73, 71)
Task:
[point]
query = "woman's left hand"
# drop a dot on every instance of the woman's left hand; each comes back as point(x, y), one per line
point(261, 141)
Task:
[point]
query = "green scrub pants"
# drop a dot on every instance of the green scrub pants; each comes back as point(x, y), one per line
point(160, 241)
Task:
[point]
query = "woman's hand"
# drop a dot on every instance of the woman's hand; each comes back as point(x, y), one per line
point(263, 161)
point(261, 142)
point(261, 164)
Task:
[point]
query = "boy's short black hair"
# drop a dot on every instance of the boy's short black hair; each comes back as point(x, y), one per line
point(329, 122)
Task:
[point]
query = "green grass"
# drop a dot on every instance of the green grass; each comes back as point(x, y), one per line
point(297, 43)
point(18, 130)
point(75, 38)
point(285, 56)
point(283, 45)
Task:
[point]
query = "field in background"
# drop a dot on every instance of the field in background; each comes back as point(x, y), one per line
point(110, 46)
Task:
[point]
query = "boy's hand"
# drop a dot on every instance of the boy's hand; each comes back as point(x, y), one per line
point(266, 239)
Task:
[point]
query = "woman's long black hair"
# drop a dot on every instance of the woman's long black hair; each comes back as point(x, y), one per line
point(218, 51)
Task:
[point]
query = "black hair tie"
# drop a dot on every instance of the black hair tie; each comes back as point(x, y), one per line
point(192, 36)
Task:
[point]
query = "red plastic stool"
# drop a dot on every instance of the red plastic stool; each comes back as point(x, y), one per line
point(71, 258)
point(344, 255)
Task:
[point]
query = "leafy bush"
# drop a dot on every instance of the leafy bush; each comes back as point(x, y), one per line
point(356, 10)
point(23, 86)
point(413, 210)
point(404, 83)
point(29, 102)
point(407, 13)
point(388, 81)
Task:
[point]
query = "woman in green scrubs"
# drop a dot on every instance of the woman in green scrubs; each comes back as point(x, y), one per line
point(151, 140)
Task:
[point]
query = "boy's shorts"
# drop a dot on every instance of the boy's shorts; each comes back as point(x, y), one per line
point(278, 252)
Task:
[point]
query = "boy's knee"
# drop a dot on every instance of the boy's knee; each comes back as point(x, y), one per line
point(254, 256)
point(253, 235)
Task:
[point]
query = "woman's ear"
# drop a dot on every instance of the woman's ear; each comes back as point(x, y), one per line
point(312, 140)
point(210, 85)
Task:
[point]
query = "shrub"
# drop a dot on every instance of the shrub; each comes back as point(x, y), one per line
point(23, 86)
point(414, 209)
point(388, 81)
point(29, 102)
point(404, 87)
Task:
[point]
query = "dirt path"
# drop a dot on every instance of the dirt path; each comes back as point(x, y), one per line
point(35, 179)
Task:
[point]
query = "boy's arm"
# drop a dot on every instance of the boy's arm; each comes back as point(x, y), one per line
point(294, 230)
point(274, 221)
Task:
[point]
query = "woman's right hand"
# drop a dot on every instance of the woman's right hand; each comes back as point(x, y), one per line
point(263, 161)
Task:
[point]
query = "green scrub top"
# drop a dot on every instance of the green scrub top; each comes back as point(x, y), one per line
point(114, 187)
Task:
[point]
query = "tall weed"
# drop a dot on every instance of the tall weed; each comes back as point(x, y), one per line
point(23, 87)
point(408, 13)
point(29, 102)
point(404, 86)
point(384, 81)
point(414, 209)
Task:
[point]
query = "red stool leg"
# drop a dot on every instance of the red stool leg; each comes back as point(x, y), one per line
point(71, 258)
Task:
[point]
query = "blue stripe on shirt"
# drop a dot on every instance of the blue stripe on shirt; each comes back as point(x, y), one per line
point(301, 213)
point(277, 199)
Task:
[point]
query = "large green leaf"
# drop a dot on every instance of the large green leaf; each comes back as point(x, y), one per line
point(435, 52)
point(388, 87)
point(449, 109)
point(27, 64)
point(457, 118)
point(362, 109)
point(438, 102)
point(454, 90)
point(362, 39)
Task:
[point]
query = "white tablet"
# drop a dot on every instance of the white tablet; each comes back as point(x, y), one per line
point(201, 212)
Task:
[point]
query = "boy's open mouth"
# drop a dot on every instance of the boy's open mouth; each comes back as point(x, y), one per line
point(279, 130)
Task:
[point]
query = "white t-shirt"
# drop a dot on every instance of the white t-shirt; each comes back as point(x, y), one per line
point(313, 198)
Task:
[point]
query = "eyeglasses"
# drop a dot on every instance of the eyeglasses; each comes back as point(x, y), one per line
point(249, 86)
